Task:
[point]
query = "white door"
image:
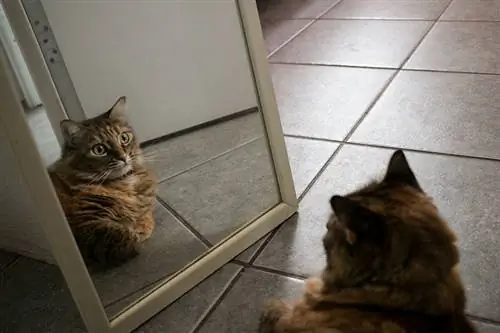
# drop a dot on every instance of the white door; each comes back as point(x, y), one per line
point(154, 52)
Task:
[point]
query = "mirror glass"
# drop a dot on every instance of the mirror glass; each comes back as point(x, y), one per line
point(165, 151)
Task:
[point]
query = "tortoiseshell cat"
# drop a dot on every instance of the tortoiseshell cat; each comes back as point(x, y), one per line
point(391, 267)
point(106, 191)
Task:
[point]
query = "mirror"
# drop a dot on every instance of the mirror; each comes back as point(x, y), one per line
point(165, 152)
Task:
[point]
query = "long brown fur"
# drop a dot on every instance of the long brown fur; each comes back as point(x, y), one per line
point(108, 199)
point(391, 267)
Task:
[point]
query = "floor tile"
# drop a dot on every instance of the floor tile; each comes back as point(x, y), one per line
point(35, 299)
point(487, 328)
point(376, 9)
point(324, 102)
point(183, 152)
point(220, 196)
point(460, 46)
point(240, 309)
point(272, 10)
point(182, 316)
point(276, 33)
point(170, 248)
point(307, 157)
point(473, 10)
point(247, 255)
point(6, 258)
point(371, 43)
point(444, 112)
point(465, 190)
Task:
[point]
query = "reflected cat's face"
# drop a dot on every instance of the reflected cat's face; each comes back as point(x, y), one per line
point(101, 148)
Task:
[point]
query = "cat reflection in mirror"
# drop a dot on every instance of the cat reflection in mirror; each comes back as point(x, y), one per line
point(105, 189)
point(391, 267)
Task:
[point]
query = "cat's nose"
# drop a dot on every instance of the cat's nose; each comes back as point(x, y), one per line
point(122, 159)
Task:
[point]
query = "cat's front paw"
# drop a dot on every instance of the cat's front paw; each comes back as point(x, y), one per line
point(272, 313)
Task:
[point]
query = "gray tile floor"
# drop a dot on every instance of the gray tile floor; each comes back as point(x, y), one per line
point(212, 181)
point(354, 80)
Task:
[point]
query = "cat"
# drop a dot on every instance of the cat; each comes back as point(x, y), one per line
point(391, 266)
point(105, 189)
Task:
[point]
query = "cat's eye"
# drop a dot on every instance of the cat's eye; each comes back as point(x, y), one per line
point(125, 138)
point(99, 149)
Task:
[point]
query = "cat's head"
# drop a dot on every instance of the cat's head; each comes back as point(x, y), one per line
point(103, 147)
point(388, 232)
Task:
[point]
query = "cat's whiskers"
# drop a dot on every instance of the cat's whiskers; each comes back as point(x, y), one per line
point(99, 178)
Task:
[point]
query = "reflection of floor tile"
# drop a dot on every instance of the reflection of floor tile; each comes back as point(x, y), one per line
point(307, 157)
point(183, 152)
point(170, 248)
point(445, 112)
point(220, 196)
point(324, 102)
point(34, 298)
point(373, 43)
point(6, 258)
point(183, 315)
point(240, 309)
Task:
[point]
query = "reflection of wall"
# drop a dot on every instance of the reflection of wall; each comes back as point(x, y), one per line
point(181, 63)
point(20, 228)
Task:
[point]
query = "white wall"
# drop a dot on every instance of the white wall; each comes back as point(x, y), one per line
point(181, 63)
point(20, 227)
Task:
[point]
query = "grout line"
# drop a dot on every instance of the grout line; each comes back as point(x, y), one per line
point(286, 42)
point(370, 106)
point(212, 158)
point(276, 272)
point(376, 19)
point(217, 301)
point(425, 35)
point(144, 290)
point(447, 71)
point(483, 320)
point(330, 65)
point(319, 173)
point(331, 8)
point(470, 21)
point(382, 68)
point(185, 223)
point(391, 79)
point(413, 150)
point(11, 263)
point(262, 246)
point(312, 21)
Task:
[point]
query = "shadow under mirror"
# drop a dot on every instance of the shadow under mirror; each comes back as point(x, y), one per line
point(152, 180)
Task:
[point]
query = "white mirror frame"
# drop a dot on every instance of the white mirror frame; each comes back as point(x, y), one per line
point(55, 224)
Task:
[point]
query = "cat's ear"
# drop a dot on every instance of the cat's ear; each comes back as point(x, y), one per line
point(71, 131)
point(399, 170)
point(119, 109)
point(360, 222)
